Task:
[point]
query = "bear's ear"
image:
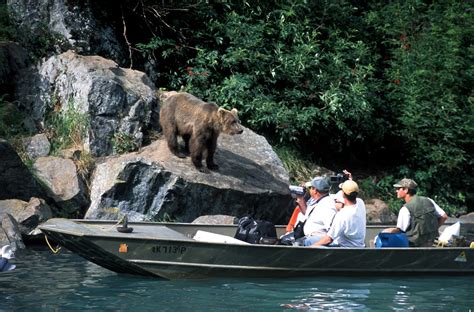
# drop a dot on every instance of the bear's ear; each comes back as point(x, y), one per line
point(222, 111)
point(234, 112)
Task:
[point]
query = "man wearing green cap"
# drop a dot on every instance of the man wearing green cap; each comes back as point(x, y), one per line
point(419, 218)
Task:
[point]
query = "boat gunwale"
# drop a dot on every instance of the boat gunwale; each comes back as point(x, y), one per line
point(190, 240)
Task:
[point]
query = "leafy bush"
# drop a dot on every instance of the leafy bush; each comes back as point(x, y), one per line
point(11, 119)
point(65, 127)
point(429, 77)
point(7, 31)
point(383, 83)
point(123, 143)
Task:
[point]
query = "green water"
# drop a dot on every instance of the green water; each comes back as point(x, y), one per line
point(66, 282)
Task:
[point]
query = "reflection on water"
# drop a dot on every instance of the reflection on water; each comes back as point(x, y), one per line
point(66, 282)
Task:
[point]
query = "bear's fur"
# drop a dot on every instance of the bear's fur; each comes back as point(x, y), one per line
point(199, 124)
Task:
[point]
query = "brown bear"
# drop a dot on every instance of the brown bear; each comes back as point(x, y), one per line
point(199, 124)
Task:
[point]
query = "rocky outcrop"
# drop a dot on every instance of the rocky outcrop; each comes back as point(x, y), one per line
point(9, 232)
point(216, 219)
point(16, 181)
point(118, 102)
point(153, 184)
point(28, 215)
point(378, 212)
point(37, 146)
point(63, 184)
point(69, 24)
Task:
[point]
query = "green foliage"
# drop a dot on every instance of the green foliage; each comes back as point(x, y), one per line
point(65, 126)
point(387, 82)
point(298, 168)
point(11, 119)
point(7, 30)
point(429, 77)
point(123, 143)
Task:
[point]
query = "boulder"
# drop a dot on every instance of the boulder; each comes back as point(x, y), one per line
point(9, 232)
point(117, 102)
point(37, 146)
point(16, 181)
point(216, 219)
point(63, 184)
point(68, 24)
point(153, 183)
point(378, 212)
point(28, 214)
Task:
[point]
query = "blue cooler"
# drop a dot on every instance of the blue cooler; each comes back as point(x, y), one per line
point(391, 240)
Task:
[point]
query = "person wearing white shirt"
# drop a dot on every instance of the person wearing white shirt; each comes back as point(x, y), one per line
point(320, 215)
point(419, 218)
point(349, 226)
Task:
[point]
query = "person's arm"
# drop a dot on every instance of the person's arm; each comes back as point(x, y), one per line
point(301, 203)
point(391, 230)
point(442, 219)
point(326, 240)
point(403, 222)
point(347, 173)
point(442, 216)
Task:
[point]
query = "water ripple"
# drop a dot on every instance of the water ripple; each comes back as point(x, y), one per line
point(66, 282)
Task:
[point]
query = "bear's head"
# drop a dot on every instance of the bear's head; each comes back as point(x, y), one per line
point(229, 122)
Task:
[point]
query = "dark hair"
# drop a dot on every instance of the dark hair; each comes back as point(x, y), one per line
point(411, 192)
point(351, 197)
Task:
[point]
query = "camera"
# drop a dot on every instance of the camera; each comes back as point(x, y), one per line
point(297, 190)
point(338, 178)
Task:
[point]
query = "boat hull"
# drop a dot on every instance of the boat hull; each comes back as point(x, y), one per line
point(167, 250)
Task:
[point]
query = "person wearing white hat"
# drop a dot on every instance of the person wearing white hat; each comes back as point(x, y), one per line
point(348, 228)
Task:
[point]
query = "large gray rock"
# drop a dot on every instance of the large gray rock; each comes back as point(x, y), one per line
point(378, 212)
point(16, 181)
point(153, 183)
point(28, 214)
point(118, 102)
point(63, 184)
point(216, 219)
point(9, 232)
point(71, 24)
point(37, 146)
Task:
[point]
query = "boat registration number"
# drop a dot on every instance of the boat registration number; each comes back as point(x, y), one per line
point(169, 249)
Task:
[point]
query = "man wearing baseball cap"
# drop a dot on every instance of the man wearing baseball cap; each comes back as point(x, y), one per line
point(320, 213)
point(419, 218)
point(349, 225)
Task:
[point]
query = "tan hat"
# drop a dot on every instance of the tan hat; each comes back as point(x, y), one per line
point(349, 187)
point(408, 183)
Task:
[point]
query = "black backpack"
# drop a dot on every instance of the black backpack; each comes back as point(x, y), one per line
point(256, 231)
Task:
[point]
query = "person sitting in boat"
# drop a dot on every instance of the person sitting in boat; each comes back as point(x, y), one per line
point(348, 228)
point(302, 202)
point(419, 218)
point(321, 213)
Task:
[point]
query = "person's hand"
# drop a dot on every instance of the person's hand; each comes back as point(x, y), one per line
point(300, 200)
point(347, 173)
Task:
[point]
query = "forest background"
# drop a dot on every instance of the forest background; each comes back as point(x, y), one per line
point(381, 88)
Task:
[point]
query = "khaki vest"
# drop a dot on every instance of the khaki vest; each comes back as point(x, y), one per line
point(423, 228)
